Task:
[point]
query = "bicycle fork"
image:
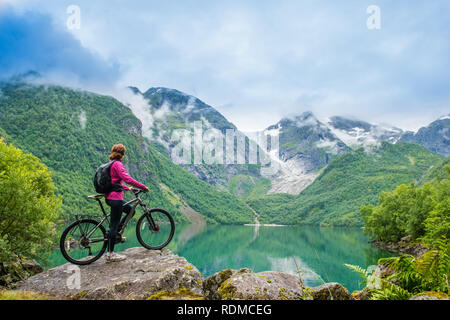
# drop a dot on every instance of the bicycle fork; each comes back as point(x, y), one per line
point(152, 225)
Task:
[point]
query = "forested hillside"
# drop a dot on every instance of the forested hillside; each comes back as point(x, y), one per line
point(72, 133)
point(420, 212)
point(348, 182)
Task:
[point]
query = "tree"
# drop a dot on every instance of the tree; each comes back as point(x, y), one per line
point(437, 224)
point(28, 205)
point(420, 212)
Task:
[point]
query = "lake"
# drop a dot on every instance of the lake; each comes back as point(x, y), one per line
point(320, 253)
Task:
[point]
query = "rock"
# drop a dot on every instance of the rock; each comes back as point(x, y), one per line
point(382, 271)
point(403, 246)
point(331, 291)
point(244, 284)
point(144, 273)
point(431, 295)
point(406, 239)
point(31, 266)
point(18, 270)
point(364, 294)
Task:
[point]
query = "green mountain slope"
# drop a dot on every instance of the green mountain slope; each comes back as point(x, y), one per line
point(437, 171)
point(348, 182)
point(72, 133)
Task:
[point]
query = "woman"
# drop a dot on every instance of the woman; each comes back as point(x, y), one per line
point(115, 199)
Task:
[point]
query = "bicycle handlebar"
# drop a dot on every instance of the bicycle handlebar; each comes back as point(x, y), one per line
point(137, 191)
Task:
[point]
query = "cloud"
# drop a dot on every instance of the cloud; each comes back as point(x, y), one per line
point(31, 41)
point(257, 61)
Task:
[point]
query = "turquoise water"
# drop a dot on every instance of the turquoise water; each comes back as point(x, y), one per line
point(319, 252)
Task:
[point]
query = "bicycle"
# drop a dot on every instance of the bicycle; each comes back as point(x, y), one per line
point(85, 240)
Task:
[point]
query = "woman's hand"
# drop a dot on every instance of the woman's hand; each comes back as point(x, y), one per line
point(146, 190)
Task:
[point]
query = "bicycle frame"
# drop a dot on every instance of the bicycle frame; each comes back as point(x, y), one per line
point(134, 203)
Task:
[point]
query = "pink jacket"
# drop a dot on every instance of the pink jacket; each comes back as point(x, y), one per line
point(119, 173)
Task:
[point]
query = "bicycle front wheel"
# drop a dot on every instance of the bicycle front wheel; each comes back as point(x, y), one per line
point(83, 242)
point(155, 229)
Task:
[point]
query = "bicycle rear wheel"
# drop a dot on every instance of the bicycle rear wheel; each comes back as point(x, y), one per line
point(83, 242)
point(155, 229)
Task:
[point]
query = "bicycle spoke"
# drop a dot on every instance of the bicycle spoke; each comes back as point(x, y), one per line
point(78, 247)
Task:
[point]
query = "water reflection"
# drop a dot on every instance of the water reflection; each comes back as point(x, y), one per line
point(320, 253)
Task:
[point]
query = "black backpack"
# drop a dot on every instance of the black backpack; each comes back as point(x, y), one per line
point(102, 179)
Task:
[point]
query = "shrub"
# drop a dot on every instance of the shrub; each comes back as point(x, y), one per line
point(28, 206)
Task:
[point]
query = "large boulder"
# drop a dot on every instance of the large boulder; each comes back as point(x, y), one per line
point(246, 285)
point(145, 273)
point(331, 291)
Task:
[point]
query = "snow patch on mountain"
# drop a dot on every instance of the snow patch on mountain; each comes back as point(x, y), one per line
point(356, 133)
point(328, 144)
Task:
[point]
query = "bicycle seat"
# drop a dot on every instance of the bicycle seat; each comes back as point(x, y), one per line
point(97, 196)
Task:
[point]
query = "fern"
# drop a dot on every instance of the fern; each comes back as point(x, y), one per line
point(390, 291)
point(363, 272)
point(366, 274)
point(411, 275)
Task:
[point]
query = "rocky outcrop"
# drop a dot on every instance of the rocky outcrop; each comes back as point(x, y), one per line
point(18, 270)
point(331, 291)
point(144, 273)
point(244, 284)
point(161, 274)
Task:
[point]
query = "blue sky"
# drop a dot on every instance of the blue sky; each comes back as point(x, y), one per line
point(255, 61)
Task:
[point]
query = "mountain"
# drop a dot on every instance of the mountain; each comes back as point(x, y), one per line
point(167, 110)
point(306, 145)
point(434, 137)
point(356, 133)
point(72, 131)
point(351, 180)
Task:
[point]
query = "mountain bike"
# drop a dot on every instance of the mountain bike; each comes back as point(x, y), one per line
point(86, 239)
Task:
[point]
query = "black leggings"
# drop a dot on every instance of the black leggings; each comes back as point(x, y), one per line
point(117, 207)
